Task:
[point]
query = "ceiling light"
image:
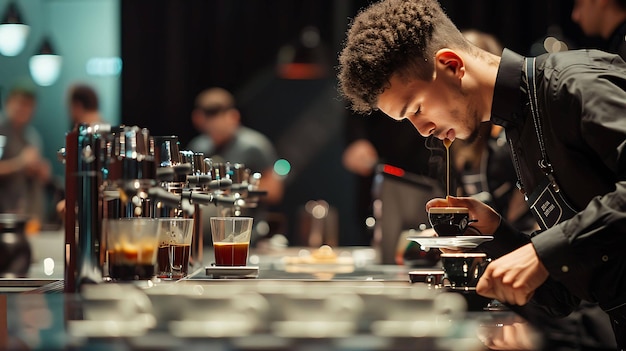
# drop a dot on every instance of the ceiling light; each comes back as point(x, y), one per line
point(13, 32)
point(45, 66)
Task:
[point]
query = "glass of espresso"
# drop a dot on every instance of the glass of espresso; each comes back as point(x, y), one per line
point(131, 248)
point(174, 247)
point(231, 240)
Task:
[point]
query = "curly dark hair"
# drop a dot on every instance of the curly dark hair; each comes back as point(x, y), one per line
point(388, 37)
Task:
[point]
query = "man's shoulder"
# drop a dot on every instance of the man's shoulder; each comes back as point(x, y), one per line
point(249, 136)
point(200, 143)
point(583, 59)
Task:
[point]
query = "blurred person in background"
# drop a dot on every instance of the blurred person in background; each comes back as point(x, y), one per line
point(23, 171)
point(224, 139)
point(484, 166)
point(83, 108)
point(603, 18)
point(83, 104)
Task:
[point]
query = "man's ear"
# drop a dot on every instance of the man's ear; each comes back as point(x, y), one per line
point(449, 61)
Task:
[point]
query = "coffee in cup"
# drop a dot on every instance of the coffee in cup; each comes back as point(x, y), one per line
point(463, 270)
point(131, 247)
point(175, 236)
point(231, 240)
point(449, 221)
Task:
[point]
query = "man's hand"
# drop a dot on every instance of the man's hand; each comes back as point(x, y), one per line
point(514, 277)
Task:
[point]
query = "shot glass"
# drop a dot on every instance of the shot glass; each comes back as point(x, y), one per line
point(132, 247)
point(175, 236)
point(231, 240)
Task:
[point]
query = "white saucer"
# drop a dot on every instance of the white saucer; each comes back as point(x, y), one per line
point(451, 242)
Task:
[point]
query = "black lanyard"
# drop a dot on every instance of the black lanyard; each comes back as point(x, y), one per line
point(544, 163)
point(548, 205)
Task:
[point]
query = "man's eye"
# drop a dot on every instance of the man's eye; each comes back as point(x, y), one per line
point(419, 110)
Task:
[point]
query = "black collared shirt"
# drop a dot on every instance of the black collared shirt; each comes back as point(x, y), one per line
point(582, 104)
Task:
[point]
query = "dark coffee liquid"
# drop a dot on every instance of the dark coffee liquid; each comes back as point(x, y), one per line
point(131, 264)
point(231, 254)
point(450, 223)
point(173, 259)
point(131, 272)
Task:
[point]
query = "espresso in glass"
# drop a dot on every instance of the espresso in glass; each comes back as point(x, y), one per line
point(174, 258)
point(231, 254)
point(231, 240)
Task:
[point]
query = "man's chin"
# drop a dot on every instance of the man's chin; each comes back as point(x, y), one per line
point(472, 137)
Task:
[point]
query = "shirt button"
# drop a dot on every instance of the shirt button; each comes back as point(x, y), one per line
point(605, 258)
point(565, 269)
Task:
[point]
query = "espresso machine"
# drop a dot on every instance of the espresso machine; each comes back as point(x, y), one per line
point(123, 172)
point(108, 171)
point(186, 185)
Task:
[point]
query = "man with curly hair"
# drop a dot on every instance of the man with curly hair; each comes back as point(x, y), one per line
point(561, 113)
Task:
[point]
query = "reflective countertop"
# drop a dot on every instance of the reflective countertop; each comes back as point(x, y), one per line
point(290, 305)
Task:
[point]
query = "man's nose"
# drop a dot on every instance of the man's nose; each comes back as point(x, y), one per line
point(424, 128)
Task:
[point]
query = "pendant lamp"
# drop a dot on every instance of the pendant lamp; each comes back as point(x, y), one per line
point(13, 31)
point(45, 65)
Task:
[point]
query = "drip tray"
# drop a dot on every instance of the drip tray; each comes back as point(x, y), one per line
point(234, 272)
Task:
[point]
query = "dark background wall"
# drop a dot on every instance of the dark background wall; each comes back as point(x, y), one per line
point(172, 49)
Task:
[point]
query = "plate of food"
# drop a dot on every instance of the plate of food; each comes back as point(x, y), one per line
point(451, 242)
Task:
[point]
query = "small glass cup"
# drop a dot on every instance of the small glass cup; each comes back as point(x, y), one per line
point(132, 247)
point(175, 236)
point(231, 240)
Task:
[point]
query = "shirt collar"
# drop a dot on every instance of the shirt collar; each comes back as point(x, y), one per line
point(507, 95)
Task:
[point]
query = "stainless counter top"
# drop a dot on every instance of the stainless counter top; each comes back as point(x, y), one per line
point(363, 306)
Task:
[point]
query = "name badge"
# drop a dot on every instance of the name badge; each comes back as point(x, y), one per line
point(548, 206)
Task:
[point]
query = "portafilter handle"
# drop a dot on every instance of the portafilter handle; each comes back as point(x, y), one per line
point(187, 198)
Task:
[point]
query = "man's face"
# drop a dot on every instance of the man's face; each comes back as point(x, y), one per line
point(588, 15)
point(20, 109)
point(218, 122)
point(437, 108)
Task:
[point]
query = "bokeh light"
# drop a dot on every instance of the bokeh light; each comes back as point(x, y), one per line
point(282, 167)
